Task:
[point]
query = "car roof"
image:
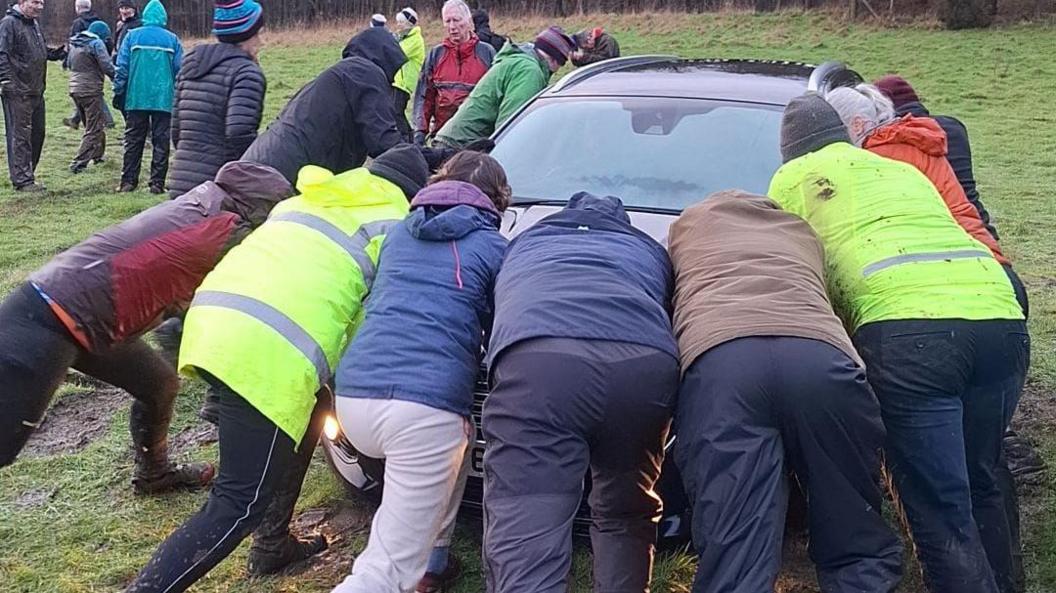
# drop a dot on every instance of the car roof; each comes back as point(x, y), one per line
point(754, 81)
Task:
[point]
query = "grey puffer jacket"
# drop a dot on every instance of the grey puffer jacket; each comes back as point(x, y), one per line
point(89, 63)
point(219, 99)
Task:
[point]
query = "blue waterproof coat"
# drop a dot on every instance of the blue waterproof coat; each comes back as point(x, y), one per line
point(147, 63)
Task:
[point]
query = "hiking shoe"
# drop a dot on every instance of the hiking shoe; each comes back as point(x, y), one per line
point(77, 168)
point(290, 552)
point(69, 123)
point(99, 160)
point(1023, 459)
point(439, 583)
point(125, 187)
point(189, 476)
point(157, 188)
point(32, 188)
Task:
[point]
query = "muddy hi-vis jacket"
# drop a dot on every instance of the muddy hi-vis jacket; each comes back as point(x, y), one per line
point(272, 319)
point(892, 248)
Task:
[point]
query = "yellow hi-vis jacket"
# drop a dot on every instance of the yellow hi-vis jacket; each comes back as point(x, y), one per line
point(272, 319)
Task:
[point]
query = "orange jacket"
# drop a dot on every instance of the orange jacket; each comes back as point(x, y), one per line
point(920, 142)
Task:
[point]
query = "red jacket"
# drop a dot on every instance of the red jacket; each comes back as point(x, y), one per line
point(121, 281)
point(448, 76)
point(919, 141)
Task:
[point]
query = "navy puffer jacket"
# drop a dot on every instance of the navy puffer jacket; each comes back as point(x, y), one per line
point(219, 100)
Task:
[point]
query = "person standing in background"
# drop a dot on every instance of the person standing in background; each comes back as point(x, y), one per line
point(219, 97)
point(409, 35)
point(147, 63)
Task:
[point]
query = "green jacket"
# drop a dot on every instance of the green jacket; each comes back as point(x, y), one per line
point(272, 319)
point(413, 46)
point(892, 248)
point(147, 63)
point(516, 75)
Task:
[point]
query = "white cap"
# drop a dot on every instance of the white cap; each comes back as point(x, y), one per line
point(378, 20)
point(407, 14)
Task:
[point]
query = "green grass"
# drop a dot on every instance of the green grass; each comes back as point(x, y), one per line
point(86, 532)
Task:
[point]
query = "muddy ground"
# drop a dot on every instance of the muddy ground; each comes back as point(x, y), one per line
point(78, 418)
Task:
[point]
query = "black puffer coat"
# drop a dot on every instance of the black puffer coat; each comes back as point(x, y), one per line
point(342, 116)
point(219, 99)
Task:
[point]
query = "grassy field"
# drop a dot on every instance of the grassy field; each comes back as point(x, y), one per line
point(69, 523)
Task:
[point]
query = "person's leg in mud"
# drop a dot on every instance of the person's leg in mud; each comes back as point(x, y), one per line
point(1002, 350)
point(274, 547)
point(138, 369)
point(833, 435)
point(536, 456)
point(919, 370)
point(626, 453)
point(255, 455)
point(35, 353)
point(730, 454)
point(443, 567)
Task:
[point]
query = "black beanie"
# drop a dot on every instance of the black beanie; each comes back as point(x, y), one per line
point(808, 124)
point(403, 165)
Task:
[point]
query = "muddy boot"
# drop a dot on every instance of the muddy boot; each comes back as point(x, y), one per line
point(1023, 460)
point(186, 476)
point(210, 411)
point(168, 336)
point(266, 558)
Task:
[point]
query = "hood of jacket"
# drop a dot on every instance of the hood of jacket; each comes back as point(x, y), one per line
point(252, 189)
point(154, 14)
point(481, 18)
point(356, 187)
point(379, 47)
point(204, 58)
point(83, 39)
point(15, 11)
point(922, 133)
point(520, 51)
point(450, 210)
point(88, 17)
point(610, 205)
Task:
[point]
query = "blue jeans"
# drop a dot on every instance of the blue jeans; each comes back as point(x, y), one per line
point(947, 391)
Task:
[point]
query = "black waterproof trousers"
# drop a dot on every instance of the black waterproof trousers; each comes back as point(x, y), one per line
point(558, 408)
point(137, 125)
point(400, 98)
point(948, 389)
point(256, 488)
point(24, 133)
point(750, 408)
point(36, 350)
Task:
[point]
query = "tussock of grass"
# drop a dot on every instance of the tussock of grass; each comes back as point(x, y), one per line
point(88, 533)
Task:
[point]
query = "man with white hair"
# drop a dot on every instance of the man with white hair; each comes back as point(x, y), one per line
point(450, 72)
point(85, 17)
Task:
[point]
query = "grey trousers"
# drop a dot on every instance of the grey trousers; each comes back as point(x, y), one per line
point(559, 407)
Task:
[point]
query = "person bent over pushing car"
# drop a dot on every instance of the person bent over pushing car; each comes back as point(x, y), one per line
point(770, 375)
point(585, 372)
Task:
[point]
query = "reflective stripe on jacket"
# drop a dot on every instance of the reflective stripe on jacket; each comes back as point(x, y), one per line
point(274, 316)
point(892, 248)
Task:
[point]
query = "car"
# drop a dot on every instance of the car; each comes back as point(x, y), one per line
point(661, 133)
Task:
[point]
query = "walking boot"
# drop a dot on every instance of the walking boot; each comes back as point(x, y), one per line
point(1023, 460)
point(186, 476)
point(265, 559)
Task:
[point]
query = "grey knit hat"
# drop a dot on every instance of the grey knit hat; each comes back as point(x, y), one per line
point(808, 124)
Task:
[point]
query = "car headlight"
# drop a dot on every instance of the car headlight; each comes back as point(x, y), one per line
point(331, 428)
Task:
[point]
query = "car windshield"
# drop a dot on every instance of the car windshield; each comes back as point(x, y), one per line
point(654, 153)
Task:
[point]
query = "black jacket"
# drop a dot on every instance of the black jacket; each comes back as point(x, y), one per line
point(482, 23)
point(123, 27)
point(219, 100)
point(342, 116)
point(23, 55)
point(959, 155)
point(81, 24)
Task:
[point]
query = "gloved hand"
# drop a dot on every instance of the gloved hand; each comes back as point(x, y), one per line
point(484, 145)
point(436, 156)
point(119, 102)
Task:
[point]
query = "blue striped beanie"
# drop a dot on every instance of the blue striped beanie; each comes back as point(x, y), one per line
point(235, 21)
